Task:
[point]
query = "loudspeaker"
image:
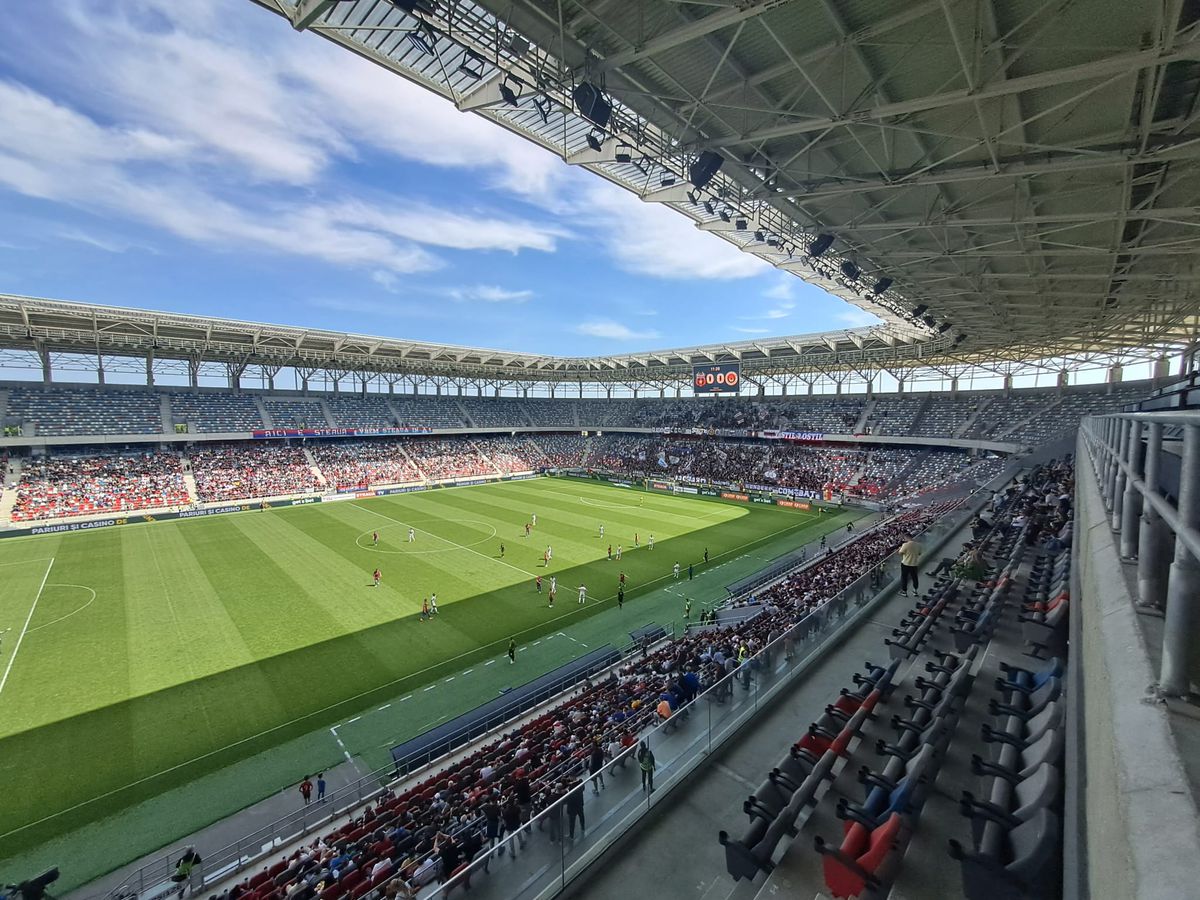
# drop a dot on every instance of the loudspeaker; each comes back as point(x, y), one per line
point(592, 104)
point(822, 243)
point(704, 168)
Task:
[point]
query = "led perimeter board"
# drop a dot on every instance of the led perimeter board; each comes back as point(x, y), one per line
point(718, 378)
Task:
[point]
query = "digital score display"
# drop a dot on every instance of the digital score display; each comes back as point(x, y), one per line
point(718, 378)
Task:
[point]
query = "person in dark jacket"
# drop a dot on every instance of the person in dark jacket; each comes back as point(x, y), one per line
point(596, 767)
point(575, 808)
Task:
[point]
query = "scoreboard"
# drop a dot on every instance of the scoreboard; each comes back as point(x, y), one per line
point(718, 378)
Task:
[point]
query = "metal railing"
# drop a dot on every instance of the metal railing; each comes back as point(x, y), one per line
point(1128, 454)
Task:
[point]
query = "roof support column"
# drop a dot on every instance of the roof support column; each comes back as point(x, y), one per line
point(99, 368)
point(233, 373)
point(193, 366)
point(47, 368)
point(150, 368)
point(305, 374)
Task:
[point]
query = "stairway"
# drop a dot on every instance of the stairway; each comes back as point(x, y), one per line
point(916, 422)
point(860, 427)
point(1016, 426)
point(316, 470)
point(164, 405)
point(966, 426)
point(189, 478)
point(406, 455)
point(466, 416)
point(535, 451)
point(327, 413)
point(910, 468)
point(395, 415)
point(8, 499)
point(263, 413)
point(486, 459)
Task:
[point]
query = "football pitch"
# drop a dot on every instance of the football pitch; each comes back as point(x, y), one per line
point(140, 658)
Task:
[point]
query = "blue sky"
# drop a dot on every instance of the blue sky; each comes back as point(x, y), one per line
point(202, 157)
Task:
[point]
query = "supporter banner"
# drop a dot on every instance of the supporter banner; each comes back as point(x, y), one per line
point(72, 526)
point(792, 435)
point(793, 504)
point(266, 433)
point(207, 511)
point(784, 491)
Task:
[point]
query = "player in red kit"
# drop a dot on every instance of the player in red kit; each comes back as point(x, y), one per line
point(377, 577)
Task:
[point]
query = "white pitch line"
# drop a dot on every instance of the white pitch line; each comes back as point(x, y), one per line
point(468, 672)
point(402, 699)
point(451, 678)
point(430, 688)
point(385, 706)
point(20, 637)
point(447, 540)
point(352, 721)
point(489, 662)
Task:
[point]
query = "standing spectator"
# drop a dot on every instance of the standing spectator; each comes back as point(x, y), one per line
point(621, 597)
point(596, 766)
point(306, 787)
point(512, 650)
point(910, 557)
point(510, 815)
point(691, 572)
point(575, 808)
point(645, 758)
point(321, 787)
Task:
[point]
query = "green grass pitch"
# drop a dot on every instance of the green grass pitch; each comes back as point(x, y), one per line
point(140, 658)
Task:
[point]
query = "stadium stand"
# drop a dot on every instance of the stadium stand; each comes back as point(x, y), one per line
point(495, 412)
point(427, 412)
point(241, 471)
point(361, 412)
point(59, 487)
point(82, 411)
point(221, 413)
point(358, 465)
point(296, 412)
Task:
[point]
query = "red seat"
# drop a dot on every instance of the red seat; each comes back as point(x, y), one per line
point(854, 866)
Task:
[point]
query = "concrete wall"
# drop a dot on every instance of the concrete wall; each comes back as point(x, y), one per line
point(1138, 828)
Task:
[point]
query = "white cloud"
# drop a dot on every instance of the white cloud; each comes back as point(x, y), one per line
point(650, 239)
point(613, 331)
point(753, 330)
point(782, 290)
point(385, 279)
point(443, 228)
point(489, 293)
point(781, 310)
point(108, 245)
point(857, 318)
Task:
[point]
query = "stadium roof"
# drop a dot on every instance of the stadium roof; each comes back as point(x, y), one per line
point(50, 327)
point(1023, 171)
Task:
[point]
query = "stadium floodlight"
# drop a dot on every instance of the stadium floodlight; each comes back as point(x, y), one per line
point(705, 167)
point(595, 141)
point(592, 104)
point(759, 236)
point(422, 41)
point(958, 340)
point(693, 197)
point(709, 208)
point(476, 71)
point(725, 216)
point(944, 327)
point(425, 7)
point(772, 240)
point(820, 244)
point(511, 97)
point(543, 107)
point(919, 311)
point(930, 321)
point(667, 180)
point(881, 286)
point(624, 152)
point(741, 224)
point(850, 270)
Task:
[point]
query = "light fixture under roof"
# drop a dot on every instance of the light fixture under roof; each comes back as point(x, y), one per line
point(511, 97)
point(595, 141)
point(472, 65)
